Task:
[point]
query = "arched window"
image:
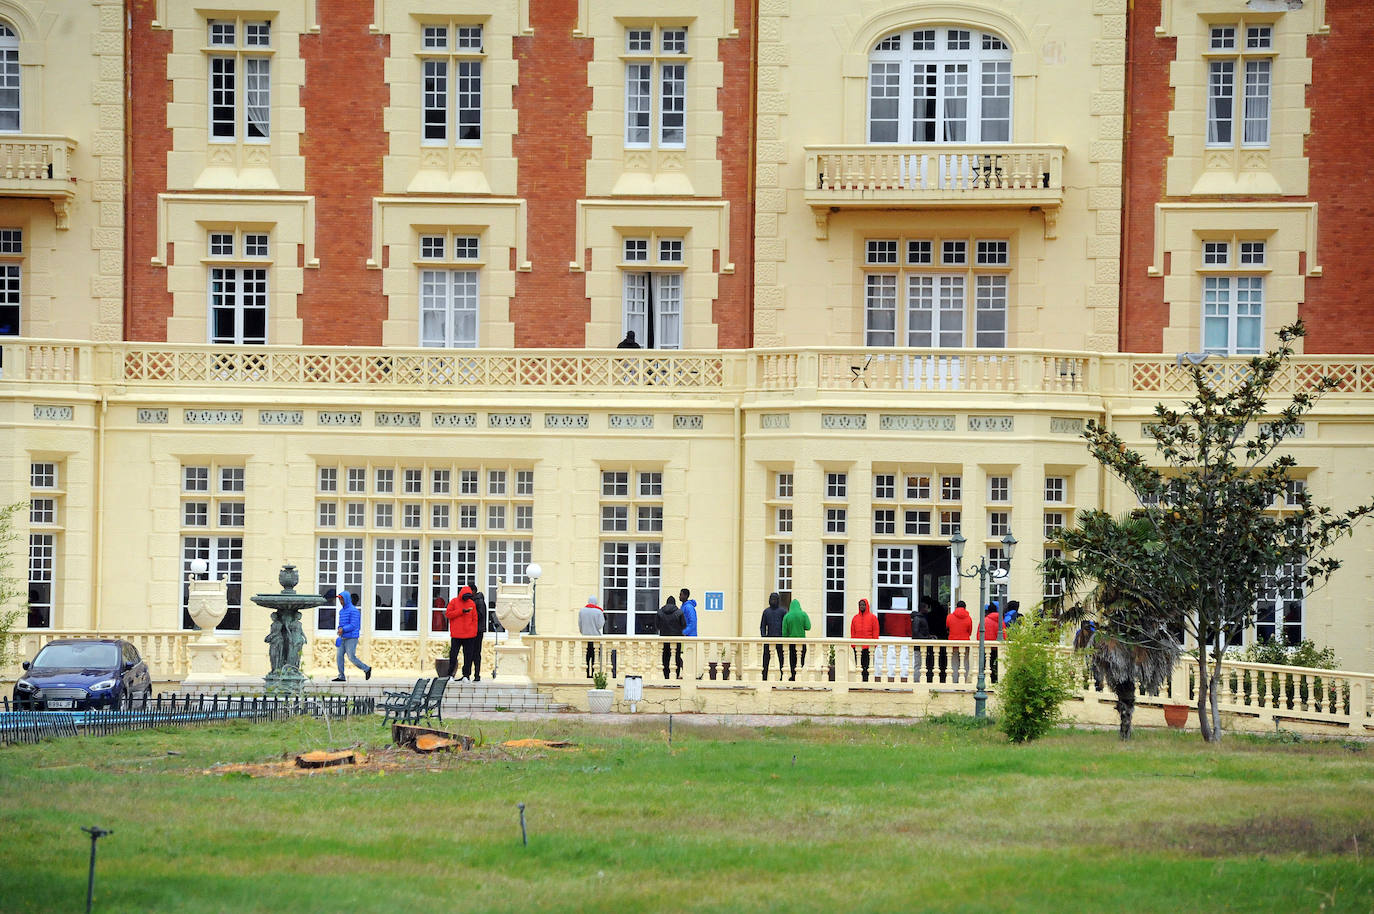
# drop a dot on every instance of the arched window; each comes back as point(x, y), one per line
point(9, 79)
point(939, 85)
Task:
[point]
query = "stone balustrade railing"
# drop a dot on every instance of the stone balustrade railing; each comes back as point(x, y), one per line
point(910, 674)
point(164, 651)
point(854, 370)
point(944, 172)
point(34, 157)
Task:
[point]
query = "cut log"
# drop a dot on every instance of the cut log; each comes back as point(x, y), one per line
point(409, 735)
point(321, 759)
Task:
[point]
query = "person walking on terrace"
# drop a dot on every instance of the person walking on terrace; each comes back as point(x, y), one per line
point(992, 627)
point(462, 626)
point(863, 625)
point(960, 629)
point(669, 623)
point(350, 627)
point(689, 613)
point(920, 631)
point(770, 626)
point(591, 622)
point(795, 625)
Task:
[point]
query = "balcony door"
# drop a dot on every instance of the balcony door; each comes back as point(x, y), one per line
point(939, 85)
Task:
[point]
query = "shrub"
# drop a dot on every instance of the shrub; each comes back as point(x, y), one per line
point(1036, 679)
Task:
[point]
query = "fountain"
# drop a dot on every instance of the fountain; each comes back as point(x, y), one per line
point(286, 638)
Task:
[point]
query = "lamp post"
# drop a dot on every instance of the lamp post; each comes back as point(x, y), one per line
point(982, 572)
point(533, 572)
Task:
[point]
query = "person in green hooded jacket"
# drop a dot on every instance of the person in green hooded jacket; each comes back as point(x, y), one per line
point(795, 625)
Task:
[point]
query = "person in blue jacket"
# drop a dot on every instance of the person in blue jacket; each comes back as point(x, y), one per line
point(350, 627)
point(689, 613)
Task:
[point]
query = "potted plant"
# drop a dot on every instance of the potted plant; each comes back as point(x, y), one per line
point(724, 664)
point(831, 663)
point(599, 697)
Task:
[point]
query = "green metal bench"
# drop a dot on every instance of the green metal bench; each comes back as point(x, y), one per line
point(404, 706)
point(433, 702)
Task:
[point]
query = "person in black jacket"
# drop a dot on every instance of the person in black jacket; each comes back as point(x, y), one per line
point(920, 631)
point(480, 601)
point(670, 622)
point(770, 626)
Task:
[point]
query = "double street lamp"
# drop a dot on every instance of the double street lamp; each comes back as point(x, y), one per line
point(982, 571)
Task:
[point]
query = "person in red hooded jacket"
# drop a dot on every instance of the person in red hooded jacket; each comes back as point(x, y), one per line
point(992, 626)
point(462, 631)
point(960, 629)
point(864, 625)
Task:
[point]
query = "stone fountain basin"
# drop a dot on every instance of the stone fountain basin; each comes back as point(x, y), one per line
point(296, 601)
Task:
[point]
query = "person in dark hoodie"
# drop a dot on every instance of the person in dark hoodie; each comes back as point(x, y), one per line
point(920, 631)
point(669, 623)
point(770, 626)
point(350, 627)
point(479, 602)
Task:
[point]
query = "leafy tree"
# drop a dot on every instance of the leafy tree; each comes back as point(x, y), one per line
point(10, 587)
point(1215, 543)
point(1036, 679)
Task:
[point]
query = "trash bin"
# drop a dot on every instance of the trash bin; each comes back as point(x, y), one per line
point(634, 690)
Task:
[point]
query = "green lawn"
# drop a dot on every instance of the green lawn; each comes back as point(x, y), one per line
point(808, 817)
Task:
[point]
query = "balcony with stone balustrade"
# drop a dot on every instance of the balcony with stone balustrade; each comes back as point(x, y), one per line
point(39, 165)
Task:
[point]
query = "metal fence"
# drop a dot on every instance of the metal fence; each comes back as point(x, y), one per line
point(21, 726)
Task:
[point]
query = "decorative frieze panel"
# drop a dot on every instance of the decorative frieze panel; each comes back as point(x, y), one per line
point(52, 413)
point(991, 423)
point(152, 416)
point(396, 420)
point(566, 420)
point(902, 422)
point(335, 417)
point(281, 417)
point(455, 420)
point(509, 420)
point(775, 421)
point(848, 421)
point(1061, 425)
point(1297, 431)
point(213, 417)
point(689, 423)
point(630, 421)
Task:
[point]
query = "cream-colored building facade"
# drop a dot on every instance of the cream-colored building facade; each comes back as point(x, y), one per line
point(936, 303)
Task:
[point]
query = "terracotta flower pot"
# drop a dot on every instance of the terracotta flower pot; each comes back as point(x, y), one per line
point(1176, 716)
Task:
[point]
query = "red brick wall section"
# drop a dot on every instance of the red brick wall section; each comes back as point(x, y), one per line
point(550, 308)
point(1337, 310)
point(344, 95)
point(733, 313)
point(147, 303)
point(1149, 98)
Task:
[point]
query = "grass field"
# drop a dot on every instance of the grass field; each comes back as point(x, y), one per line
point(812, 817)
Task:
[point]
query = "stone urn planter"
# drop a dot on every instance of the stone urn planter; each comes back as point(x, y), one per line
point(599, 700)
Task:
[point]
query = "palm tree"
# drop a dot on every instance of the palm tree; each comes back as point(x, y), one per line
point(1130, 648)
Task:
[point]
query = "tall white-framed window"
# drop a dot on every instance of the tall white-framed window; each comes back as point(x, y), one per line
point(939, 85)
point(238, 262)
point(652, 270)
point(916, 292)
point(1240, 63)
point(224, 555)
point(11, 108)
point(1233, 296)
point(656, 87)
point(835, 562)
point(1279, 605)
point(45, 527)
point(395, 585)
point(239, 57)
point(631, 548)
point(449, 267)
point(338, 567)
point(11, 280)
point(451, 56)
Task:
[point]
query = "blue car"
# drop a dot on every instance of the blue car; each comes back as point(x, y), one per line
point(78, 674)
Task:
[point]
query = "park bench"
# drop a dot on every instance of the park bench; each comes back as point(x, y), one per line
point(433, 702)
point(404, 706)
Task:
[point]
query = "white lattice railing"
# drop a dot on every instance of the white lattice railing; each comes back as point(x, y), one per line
point(854, 369)
point(1257, 695)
